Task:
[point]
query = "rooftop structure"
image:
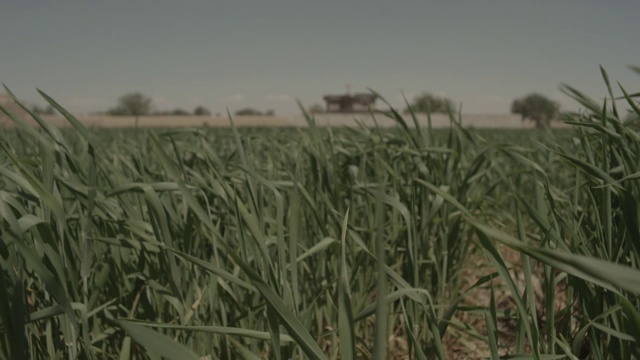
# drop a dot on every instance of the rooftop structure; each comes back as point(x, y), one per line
point(350, 103)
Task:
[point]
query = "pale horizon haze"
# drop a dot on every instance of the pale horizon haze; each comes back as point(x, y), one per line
point(267, 54)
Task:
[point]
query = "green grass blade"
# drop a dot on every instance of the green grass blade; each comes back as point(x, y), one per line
point(492, 326)
point(600, 272)
point(156, 342)
point(382, 309)
point(77, 125)
point(345, 311)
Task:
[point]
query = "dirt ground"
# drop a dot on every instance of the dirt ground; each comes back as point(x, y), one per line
point(457, 341)
point(160, 121)
point(332, 120)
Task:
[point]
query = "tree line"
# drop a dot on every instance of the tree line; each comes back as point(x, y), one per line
point(137, 104)
point(533, 107)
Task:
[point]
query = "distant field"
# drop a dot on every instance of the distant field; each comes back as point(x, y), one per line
point(334, 120)
point(163, 121)
point(212, 242)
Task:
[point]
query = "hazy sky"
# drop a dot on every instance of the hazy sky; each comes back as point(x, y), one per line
point(265, 54)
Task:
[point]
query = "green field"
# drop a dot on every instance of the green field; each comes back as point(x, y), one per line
point(321, 242)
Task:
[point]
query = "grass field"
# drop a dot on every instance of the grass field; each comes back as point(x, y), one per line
point(319, 243)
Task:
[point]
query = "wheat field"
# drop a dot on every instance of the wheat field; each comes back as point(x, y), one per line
point(321, 242)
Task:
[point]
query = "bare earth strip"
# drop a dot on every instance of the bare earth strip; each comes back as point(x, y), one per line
point(332, 120)
point(99, 121)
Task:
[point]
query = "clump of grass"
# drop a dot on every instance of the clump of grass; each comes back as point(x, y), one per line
point(585, 235)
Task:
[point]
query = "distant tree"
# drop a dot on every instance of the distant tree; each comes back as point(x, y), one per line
point(248, 112)
point(180, 112)
point(429, 103)
point(316, 109)
point(49, 110)
point(537, 108)
point(174, 112)
point(201, 111)
point(270, 112)
point(132, 104)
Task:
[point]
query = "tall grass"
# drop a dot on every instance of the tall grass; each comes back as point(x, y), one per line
point(318, 243)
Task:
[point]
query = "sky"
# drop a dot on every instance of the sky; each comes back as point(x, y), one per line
point(266, 54)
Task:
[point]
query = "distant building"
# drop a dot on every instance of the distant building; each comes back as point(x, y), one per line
point(350, 103)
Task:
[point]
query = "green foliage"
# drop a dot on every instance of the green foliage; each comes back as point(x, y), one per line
point(429, 103)
point(174, 112)
point(248, 111)
point(180, 112)
point(537, 108)
point(201, 111)
point(284, 243)
point(132, 104)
